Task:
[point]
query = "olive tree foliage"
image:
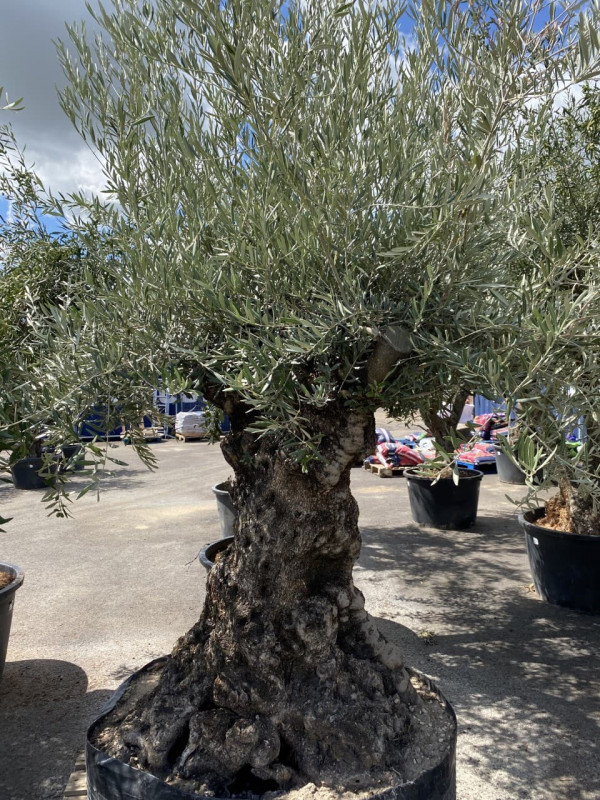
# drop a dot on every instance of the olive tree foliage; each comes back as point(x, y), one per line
point(44, 276)
point(314, 216)
point(301, 194)
point(570, 162)
point(544, 361)
point(26, 284)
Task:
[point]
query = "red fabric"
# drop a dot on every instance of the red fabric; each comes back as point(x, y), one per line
point(477, 452)
point(399, 454)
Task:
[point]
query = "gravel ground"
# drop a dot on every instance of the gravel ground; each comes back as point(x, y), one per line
point(113, 587)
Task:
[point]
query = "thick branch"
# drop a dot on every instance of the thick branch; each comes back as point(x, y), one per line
point(392, 344)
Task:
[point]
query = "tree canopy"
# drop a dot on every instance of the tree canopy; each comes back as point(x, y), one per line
point(297, 183)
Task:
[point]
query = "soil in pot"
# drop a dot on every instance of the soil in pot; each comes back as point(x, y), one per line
point(565, 566)
point(444, 504)
point(433, 749)
point(11, 579)
point(5, 579)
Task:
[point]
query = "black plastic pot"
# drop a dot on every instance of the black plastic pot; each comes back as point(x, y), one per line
point(210, 551)
point(225, 508)
point(68, 452)
point(25, 473)
point(444, 504)
point(7, 602)
point(565, 566)
point(111, 779)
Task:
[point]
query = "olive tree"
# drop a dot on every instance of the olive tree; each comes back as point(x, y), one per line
point(303, 199)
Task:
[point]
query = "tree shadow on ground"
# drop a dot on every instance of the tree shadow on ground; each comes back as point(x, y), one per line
point(45, 709)
point(122, 478)
point(522, 675)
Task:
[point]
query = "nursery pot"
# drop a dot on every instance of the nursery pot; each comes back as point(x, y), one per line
point(508, 471)
point(444, 504)
point(111, 779)
point(69, 451)
point(225, 508)
point(208, 553)
point(25, 473)
point(7, 601)
point(565, 566)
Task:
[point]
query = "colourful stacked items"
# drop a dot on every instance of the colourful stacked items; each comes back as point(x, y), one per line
point(394, 453)
point(481, 450)
point(475, 454)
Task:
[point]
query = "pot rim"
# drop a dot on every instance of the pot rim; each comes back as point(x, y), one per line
point(207, 562)
point(18, 577)
point(552, 532)
point(413, 474)
point(27, 458)
point(219, 491)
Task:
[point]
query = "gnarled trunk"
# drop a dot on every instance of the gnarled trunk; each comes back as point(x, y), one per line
point(285, 678)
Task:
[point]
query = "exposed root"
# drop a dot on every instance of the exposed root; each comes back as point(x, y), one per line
point(347, 727)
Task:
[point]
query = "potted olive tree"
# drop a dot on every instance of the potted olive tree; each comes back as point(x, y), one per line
point(303, 200)
point(547, 371)
point(11, 576)
point(547, 375)
point(443, 494)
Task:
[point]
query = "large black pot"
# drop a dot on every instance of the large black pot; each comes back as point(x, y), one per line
point(7, 602)
point(565, 566)
point(111, 779)
point(25, 473)
point(210, 551)
point(444, 504)
point(224, 507)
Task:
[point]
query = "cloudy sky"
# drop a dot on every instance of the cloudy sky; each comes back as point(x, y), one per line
point(29, 68)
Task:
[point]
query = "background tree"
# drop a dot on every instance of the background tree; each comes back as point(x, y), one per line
point(569, 162)
point(304, 205)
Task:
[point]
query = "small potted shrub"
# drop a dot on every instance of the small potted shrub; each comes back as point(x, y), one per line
point(562, 532)
point(31, 462)
point(443, 495)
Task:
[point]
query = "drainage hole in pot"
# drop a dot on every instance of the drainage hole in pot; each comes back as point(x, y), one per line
point(246, 781)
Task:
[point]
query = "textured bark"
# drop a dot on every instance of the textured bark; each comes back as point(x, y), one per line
point(285, 678)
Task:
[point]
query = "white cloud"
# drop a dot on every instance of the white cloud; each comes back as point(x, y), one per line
point(64, 170)
point(29, 68)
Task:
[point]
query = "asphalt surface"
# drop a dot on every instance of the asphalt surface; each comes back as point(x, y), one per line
point(116, 585)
